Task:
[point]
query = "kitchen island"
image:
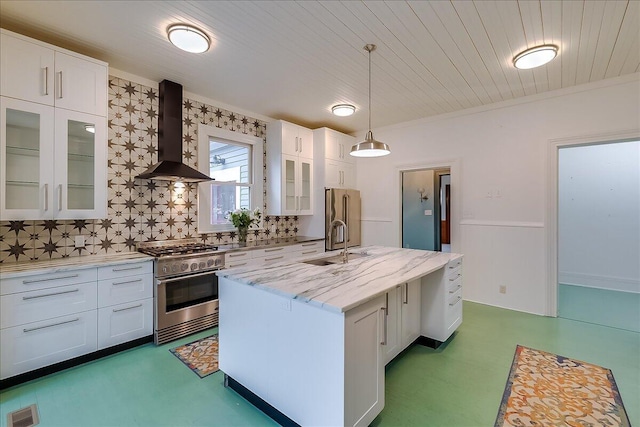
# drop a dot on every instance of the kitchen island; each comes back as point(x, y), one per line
point(308, 343)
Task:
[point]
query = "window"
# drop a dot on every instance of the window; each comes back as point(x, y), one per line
point(235, 161)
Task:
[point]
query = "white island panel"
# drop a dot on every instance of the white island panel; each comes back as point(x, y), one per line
point(288, 353)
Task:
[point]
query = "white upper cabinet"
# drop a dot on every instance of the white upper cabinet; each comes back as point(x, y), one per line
point(26, 70)
point(338, 166)
point(37, 72)
point(53, 132)
point(296, 140)
point(81, 85)
point(336, 145)
point(290, 169)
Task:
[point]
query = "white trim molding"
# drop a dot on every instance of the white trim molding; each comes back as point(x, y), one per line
point(485, 223)
point(552, 200)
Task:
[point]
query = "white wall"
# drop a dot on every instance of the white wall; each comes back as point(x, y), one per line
point(499, 180)
point(599, 216)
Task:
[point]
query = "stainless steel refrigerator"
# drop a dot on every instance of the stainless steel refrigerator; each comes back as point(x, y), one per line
point(341, 204)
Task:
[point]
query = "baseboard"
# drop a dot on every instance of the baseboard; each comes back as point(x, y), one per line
point(66, 364)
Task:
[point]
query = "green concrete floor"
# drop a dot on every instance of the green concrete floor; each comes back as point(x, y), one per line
point(460, 384)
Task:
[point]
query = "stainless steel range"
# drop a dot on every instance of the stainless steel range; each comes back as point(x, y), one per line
point(186, 291)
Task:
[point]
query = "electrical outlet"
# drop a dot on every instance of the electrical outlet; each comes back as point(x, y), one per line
point(503, 289)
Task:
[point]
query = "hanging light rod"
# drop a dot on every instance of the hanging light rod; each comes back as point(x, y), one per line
point(370, 147)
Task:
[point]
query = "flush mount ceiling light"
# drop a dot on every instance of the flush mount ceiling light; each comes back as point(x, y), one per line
point(343, 110)
point(188, 38)
point(370, 147)
point(535, 57)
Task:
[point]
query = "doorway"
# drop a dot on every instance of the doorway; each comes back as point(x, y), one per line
point(426, 209)
point(598, 275)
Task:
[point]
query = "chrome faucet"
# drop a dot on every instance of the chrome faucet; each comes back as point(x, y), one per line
point(345, 256)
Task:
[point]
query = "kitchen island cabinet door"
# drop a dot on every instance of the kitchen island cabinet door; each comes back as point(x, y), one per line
point(364, 362)
point(393, 307)
point(410, 312)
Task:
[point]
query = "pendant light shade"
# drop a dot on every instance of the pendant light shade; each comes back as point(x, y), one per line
point(370, 147)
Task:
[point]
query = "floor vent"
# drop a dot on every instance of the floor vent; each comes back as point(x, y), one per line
point(25, 417)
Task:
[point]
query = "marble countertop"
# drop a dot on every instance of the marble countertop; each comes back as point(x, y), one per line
point(72, 263)
point(89, 261)
point(340, 287)
point(268, 243)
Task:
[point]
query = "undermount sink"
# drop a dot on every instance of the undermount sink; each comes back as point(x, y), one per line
point(335, 259)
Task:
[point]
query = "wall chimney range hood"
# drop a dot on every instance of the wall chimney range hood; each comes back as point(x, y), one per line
point(170, 166)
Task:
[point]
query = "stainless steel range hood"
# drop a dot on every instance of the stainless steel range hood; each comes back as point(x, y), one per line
point(170, 166)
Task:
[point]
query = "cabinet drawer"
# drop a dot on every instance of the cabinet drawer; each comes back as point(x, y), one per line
point(34, 306)
point(125, 270)
point(306, 253)
point(125, 289)
point(454, 266)
point(236, 257)
point(48, 280)
point(268, 252)
point(308, 246)
point(28, 347)
point(454, 299)
point(124, 322)
point(454, 284)
point(270, 259)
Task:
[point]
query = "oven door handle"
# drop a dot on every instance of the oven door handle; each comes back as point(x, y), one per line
point(187, 276)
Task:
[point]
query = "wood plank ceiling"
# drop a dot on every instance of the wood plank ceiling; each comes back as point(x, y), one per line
point(294, 60)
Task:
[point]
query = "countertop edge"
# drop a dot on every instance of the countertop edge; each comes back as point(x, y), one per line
point(9, 271)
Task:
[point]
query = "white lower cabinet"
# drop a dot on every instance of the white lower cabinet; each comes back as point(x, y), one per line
point(403, 318)
point(47, 318)
point(124, 322)
point(364, 366)
point(39, 344)
point(442, 301)
point(271, 255)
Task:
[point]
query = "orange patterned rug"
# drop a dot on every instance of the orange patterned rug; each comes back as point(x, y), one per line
point(545, 389)
point(200, 356)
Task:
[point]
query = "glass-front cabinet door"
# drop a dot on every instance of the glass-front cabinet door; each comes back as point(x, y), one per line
point(289, 186)
point(26, 159)
point(52, 162)
point(80, 158)
point(305, 185)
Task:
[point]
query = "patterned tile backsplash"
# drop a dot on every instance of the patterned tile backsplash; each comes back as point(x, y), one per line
point(138, 210)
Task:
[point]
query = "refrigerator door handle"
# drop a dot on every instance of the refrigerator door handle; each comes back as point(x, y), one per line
point(346, 216)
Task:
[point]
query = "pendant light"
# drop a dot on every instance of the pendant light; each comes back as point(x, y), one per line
point(370, 147)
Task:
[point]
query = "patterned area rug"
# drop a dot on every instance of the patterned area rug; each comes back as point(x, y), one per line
point(200, 356)
point(545, 389)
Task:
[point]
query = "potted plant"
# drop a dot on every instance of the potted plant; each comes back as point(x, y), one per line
point(242, 219)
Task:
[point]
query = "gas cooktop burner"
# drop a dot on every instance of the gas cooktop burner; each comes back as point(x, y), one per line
point(178, 247)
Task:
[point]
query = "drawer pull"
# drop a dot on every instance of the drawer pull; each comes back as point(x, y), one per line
point(240, 264)
point(308, 252)
point(115, 310)
point(454, 266)
point(71, 276)
point(308, 244)
point(455, 278)
point(239, 254)
point(274, 258)
point(455, 290)
point(451, 304)
point(273, 250)
point(50, 295)
point(127, 282)
point(137, 267)
point(51, 326)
